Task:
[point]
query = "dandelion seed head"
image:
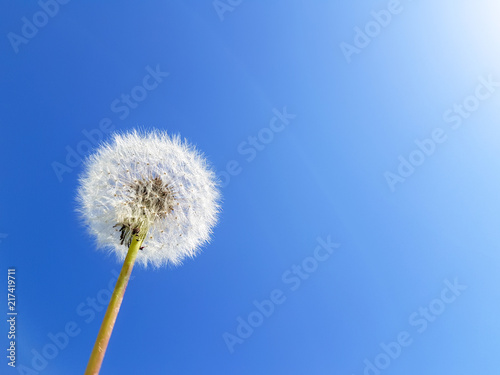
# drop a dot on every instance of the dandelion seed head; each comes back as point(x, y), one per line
point(153, 181)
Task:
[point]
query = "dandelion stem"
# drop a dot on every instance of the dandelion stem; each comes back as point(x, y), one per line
point(95, 361)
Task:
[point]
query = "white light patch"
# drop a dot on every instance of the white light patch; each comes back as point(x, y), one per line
point(474, 28)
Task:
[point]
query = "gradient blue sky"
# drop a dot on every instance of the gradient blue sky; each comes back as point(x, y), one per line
point(323, 176)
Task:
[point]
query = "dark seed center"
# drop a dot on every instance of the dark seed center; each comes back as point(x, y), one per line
point(152, 197)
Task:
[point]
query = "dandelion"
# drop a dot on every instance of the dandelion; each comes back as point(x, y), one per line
point(151, 199)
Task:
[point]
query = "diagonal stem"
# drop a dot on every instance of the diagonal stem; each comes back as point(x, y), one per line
point(101, 343)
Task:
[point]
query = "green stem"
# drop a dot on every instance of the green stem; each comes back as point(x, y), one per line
point(95, 361)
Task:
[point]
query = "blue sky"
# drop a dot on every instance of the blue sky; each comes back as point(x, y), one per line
point(364, 222)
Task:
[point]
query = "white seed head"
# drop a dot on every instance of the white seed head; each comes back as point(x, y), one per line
point(149, 181)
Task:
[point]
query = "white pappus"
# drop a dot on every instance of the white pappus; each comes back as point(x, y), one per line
point(150, 181)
